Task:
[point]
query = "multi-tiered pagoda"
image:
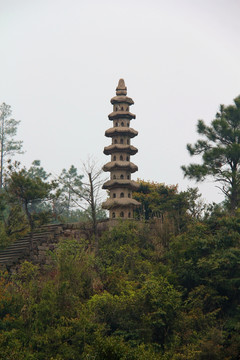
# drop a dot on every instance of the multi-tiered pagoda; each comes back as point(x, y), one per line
point(120, 186)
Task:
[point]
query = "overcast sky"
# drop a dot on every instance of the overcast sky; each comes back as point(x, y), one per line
point(61, 61)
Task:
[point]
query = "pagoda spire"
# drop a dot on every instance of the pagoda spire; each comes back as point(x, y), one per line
point(120, 203)
point(121, 89)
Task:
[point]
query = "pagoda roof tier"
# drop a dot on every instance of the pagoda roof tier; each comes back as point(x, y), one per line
point(131, 150)
point(116, 183)
point(121, 131)
point(120, 202)
point(120, 165)
point(121, 114)
point(122, 99)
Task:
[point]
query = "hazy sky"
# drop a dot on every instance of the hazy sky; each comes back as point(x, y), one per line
point(61, 61)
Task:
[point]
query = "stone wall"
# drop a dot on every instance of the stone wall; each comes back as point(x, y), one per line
point(45, 240)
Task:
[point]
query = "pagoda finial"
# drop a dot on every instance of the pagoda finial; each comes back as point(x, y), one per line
point(121, 88)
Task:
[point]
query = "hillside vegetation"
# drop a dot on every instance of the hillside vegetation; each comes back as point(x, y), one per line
point(148, 294)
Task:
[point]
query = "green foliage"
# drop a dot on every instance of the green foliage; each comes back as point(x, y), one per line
point(73, 201)
point(13, 222)
point(206, 261)
point(125, 255)
point(4, 238)
point(69, 256)
point(8, 130)
point(69, 192)
point(141, 315)
point(220, 151)
point(27, 191)
point(129, 301)
point(25, 188)
point(16, 223)
point(175, 209)
point(115, 348)
point(37, 171)
point(209, 253)
point(155, 199)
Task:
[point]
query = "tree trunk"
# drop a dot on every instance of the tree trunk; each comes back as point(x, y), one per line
point(234, 192)
point(2, 149)
point(93, 212)
point(30, 221)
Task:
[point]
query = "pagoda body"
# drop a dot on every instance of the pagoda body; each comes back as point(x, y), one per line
point(120, 186)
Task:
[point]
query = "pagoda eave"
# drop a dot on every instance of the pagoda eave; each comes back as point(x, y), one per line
point(121, 165)
point(121, 131)
point(130, 184)
point(121, 114)
point(116, 203)
point(122, 99)
point(114, 148)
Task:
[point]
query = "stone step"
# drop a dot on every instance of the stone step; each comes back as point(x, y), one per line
point(28, 238)
point(20, 249)
point(52, 227)
point(10, 258)
point(12, 251)
point(26, 242)
point(16, 244)
point(13, 248)
point(9, 261)
point(45, 233)
point(22, 242)
point(15, 251)
point(14, 255)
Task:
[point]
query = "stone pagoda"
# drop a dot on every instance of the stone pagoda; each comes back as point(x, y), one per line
point(120, 203)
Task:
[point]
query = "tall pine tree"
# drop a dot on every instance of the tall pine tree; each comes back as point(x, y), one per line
point(8, 130)
point(220, 151)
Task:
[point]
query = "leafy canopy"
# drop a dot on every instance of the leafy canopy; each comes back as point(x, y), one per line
point(8, 130)
point(26, 190)
point(220, 151)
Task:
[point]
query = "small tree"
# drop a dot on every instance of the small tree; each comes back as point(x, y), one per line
point(8, 130)
point(70, 185)
point(155, 199)
point(86, 193)
point(175, 209)
point(220, 151)
point(92, 190)
point(25, 190)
